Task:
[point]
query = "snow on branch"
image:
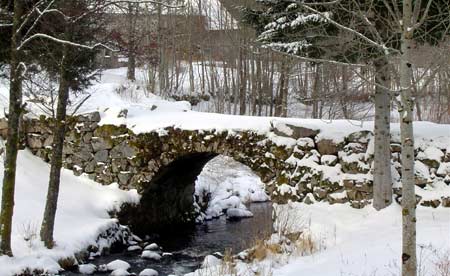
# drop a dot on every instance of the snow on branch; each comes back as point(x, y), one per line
point(327, 17)
point(61, 41)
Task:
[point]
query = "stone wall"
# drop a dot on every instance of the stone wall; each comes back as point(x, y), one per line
point(303, 167)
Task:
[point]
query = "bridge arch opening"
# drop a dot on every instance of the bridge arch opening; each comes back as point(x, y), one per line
point(167, 205)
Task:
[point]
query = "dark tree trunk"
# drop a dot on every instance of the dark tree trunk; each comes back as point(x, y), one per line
point(15, 111)
point(59, 131)
point(131, 70)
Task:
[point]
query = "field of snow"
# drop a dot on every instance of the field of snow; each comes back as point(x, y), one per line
point(81, 216)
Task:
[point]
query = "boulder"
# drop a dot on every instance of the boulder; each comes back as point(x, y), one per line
point(327, 147)
point(329, 160)
point(89, 117)
point(34, 141)
point(124, 178)
point(123, 150)
point(101, 156)
point(446, 201)
point(99, 144)
point(362, 137)
point(431, 203)
point(335, 198)
point(291, 131)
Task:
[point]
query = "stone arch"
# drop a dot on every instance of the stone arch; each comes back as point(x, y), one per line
point(167, 199)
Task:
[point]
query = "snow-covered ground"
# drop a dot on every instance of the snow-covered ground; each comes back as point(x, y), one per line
point(81, 217)
point(367, 242)
point(351, 242)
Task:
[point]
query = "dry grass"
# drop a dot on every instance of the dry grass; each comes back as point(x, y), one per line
point(441, 262)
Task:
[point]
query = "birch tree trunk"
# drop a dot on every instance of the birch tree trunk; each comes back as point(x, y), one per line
point(409, 258)
point(382, 179)
point(15, 111)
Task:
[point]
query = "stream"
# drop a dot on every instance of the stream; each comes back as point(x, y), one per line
point(188, 250)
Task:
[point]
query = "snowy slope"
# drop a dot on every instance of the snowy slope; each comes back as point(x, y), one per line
point(367, 242)
point(82, 215)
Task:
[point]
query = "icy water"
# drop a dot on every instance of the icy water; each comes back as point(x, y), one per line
point(188, 251)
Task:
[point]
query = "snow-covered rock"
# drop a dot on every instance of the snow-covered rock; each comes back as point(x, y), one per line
point(120, 272)
point(151, 255)
point(87, 269)
point(134, 248)
point(152, 247)
point(118, 264)
point(210, 261)
point(238, 213)
point(444, 169)
point(148, 272)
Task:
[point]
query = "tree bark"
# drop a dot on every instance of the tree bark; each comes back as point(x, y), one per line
point(131, 70)
point(59, 132)
point(15, 111)
point(409, 258)
point(382, 178)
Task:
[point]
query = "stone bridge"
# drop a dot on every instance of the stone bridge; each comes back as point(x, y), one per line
point(163, 165)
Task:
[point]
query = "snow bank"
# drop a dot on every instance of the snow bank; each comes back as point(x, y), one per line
point(364, 241)
point(82, 215)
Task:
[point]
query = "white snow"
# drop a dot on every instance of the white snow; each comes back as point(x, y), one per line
point(81, 216)
point(421, 170)
point(148, 272)
point(120, 272)
point(431, 153)
point(210, 261)
point(118, 264)
point(87, 269)
point(364, 242)
point(134, 248)
point(151, 255)
point(444, 169)
point(328, 159)
point(238, 213)
point(152, 247)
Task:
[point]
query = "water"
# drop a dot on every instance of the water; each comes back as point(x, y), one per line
point(189, 250)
